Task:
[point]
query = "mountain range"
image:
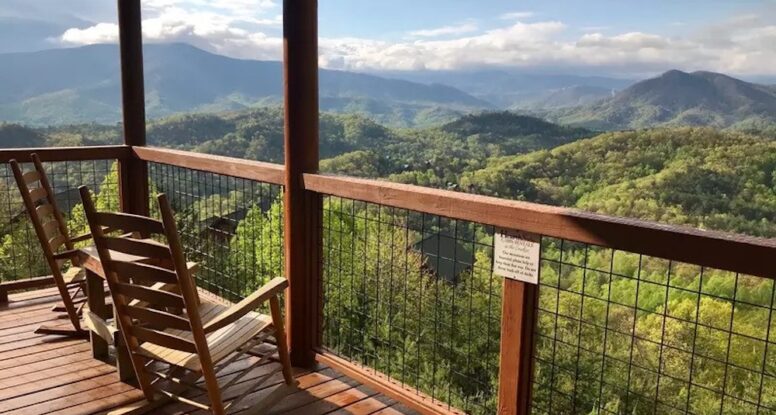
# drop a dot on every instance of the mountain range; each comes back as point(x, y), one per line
point(518, 90)
point(699, 176)
point(679, 98)
point(77, 85)
point(63, 86)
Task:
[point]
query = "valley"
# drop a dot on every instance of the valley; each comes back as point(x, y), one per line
point(697, 176)
point(686, 148)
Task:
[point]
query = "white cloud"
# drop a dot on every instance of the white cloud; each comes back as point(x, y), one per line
point(517, 15)
point(739, 45)
point(237, 28)
point(514, 44)
point(446, 30)
point(744, 45)
point(99, 33)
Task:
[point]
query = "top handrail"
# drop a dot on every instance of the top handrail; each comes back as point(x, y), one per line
point(228, 166)
point(23, 155)
point(720, 250)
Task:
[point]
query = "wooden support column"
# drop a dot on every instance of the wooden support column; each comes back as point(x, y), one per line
point(133, 173)
point(302, 214)
point(518, 322)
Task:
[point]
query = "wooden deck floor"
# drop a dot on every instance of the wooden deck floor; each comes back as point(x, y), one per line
point(51, 375)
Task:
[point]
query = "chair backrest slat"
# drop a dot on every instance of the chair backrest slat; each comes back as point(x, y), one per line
point(144, 273)
point(149, 295)
point(49, 225)
point(41, 206)
point(128, 223)
point(51, 228)
point(45, 211)
point(162, 339)
point(158, 318)
point(57, 242)
point(145, 248)
point(31, 177)
point(37, 194)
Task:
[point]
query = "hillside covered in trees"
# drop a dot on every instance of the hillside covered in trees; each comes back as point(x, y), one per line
point(697, 176)
point(694, 176)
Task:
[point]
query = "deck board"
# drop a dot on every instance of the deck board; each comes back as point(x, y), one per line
point(42, 374)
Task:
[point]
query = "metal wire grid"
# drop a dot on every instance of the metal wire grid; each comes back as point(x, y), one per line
point(20, 254)
point(232, 227)
point(622, 333)
point(412, 295)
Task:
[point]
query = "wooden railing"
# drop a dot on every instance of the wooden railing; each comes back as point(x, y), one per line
point(22, 155)
point(732, 252)
point(735, 253)
point(721, 251)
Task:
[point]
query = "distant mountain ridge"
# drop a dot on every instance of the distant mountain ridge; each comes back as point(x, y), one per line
point(573, 96)
point(679, 98)
point(517, 90)
point(64, 86)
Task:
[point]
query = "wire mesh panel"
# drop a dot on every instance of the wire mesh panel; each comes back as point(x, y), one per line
point(232, 227)
point(412, 296)
point(20, 253)
point(622, 333)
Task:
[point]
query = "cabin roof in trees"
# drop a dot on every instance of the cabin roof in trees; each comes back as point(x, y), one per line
point(226, 222)
point(444, 255)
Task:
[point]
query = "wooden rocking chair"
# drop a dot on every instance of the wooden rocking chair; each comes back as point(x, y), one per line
point(174, 338)
point(52, 233)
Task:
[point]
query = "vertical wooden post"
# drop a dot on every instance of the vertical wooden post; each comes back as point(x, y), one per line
point(95, 296)
point(518, 321)
point(133, 173)
point(302, 213)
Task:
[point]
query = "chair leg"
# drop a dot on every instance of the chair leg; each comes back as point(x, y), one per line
point(213, 391)
point(60, 308)
point(71, 314)
point(62, 331)
point(124, 365)
point(80, 287)
point(280, 338)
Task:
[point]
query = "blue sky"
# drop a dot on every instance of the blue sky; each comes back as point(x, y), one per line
point(608, 37)
point(389, 19)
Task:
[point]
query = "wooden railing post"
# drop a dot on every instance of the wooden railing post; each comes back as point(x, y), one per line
point(133, 173)
point(518, 321)
point(302, 209)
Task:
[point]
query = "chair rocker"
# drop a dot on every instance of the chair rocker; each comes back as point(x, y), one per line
point(56, 244)
point(175, 338)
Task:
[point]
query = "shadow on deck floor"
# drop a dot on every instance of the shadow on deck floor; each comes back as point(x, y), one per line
point(54, 375)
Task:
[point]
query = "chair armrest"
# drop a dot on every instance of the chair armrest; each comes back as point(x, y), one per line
point(81, 238)
point(252, 302)
point(69, 254)
point(171, 288)
point(87, 236)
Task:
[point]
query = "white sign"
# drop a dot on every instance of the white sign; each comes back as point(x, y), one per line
point(516, 255)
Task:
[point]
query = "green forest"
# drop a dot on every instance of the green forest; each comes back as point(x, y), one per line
point(617, 332)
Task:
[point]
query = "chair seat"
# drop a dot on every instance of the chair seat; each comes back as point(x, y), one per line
point(222, 342)
point(73, 274)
